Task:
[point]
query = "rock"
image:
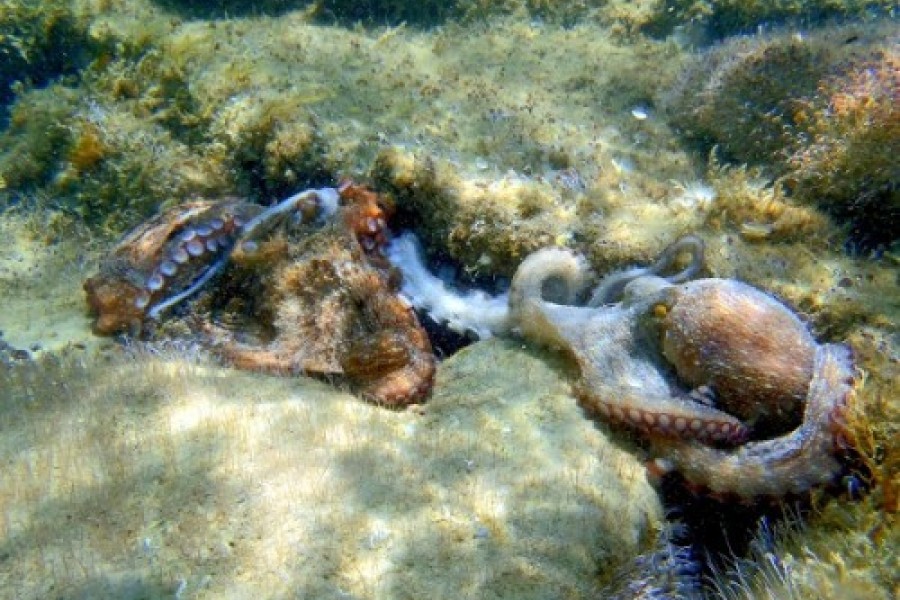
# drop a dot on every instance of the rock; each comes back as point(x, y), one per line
point(220, 483)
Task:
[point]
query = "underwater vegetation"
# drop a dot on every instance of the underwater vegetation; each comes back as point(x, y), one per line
point(724, 17)
point(818, 110)
point(669, 569)
point(739, 94)
point(40, 42)
point(658, 17)
point(847, 162)
point(793, 561)
point(494, 129)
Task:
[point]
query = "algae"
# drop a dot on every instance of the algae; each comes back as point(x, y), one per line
point(507, 127)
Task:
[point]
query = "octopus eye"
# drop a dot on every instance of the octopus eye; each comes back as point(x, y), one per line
point(660, 311)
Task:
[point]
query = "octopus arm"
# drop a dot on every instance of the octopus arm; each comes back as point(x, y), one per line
point(265, 360)
point(621, 379)
point(794, 463)
point(542, 321)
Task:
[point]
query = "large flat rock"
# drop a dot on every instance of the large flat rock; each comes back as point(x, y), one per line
point(148, 477)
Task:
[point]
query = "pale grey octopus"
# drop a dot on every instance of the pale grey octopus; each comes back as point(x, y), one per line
point(727, 384)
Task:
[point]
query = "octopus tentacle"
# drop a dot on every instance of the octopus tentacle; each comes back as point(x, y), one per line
point(527, 306)
point(648, 401)
point(156, 310)
point(265, 360)
point(612, 286)
point(312, 204)
point(668, 417)
point(789, 464)
point(161, 258)
point(175, 254)
point(390, 359)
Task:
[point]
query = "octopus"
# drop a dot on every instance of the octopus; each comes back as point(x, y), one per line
point(300, 287)
point(179, 246)
point(725, 382)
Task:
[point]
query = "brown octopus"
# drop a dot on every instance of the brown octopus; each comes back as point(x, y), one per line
point(291, 295)
point(726, 382)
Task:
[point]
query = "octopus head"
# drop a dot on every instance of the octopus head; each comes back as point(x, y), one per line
point(750, 349)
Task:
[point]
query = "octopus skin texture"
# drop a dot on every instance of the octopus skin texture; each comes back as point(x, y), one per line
point(326, 306)
point(301, 287)
point(724, 381)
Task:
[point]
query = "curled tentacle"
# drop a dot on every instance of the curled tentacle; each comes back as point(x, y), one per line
point(789, 464)
point(311, 204)
point(552, 274)
point(611, 287)
point(552, 277)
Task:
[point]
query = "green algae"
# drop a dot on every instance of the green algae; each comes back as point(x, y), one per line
point(40, 41)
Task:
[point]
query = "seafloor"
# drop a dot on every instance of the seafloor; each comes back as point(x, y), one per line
point(132, 471)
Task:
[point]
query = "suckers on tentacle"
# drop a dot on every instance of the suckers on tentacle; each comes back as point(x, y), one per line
point(793, 463)
point(166, 259)
point(160, 258)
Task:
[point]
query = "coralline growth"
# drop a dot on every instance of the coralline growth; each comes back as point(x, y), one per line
point(818, 110)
